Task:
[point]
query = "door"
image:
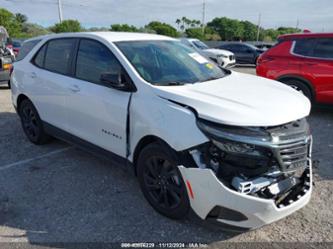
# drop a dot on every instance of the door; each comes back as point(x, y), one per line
point(243, 53)
point(318, 64)
point(96, 112)
point(49, 77)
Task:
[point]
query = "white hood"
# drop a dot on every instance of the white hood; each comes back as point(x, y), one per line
point(215, 51)
point(241, 99)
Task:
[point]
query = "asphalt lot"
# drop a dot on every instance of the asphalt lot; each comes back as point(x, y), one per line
point(58, 193)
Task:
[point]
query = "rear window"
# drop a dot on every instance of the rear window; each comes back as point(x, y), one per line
point(26, 48)
point(59, 55)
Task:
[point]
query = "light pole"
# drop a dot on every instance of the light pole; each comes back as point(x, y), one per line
point(203, 16)
point(60, 10)
point(258, 31)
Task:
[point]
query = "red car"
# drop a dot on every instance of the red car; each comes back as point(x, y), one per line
point(303, 61)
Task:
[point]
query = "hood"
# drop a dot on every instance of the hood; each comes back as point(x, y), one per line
point(240, 99)
point(215, 51)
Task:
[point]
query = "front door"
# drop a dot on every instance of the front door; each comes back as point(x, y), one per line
point(95, 112)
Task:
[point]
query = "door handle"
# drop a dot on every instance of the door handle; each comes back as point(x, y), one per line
point(33, 75)
point(74, 88)
point(310, 63)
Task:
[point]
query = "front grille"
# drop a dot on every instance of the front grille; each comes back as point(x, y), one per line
point(294, 155)
point(292, 148)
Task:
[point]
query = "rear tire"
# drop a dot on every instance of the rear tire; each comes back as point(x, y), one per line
point(8, 84)
point(31, 123)
point(299, 86)
point(161, 181)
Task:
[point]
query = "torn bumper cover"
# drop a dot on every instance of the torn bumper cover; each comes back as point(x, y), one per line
point(209, 195)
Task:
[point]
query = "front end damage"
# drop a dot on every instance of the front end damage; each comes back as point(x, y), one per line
point(246, 177)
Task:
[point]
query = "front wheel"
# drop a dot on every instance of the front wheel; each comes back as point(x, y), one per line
point(161, 181)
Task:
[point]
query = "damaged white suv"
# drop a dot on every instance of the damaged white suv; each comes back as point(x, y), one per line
point(234, 148)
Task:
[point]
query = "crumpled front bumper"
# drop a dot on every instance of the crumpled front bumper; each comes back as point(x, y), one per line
point(206, 191)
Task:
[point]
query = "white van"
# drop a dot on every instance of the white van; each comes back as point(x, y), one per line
point(233, 147)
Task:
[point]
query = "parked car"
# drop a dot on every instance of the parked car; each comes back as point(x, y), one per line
point(264, 46)
point(222, 57)
point(304, 62)
point(245, 53)
point(233, 147)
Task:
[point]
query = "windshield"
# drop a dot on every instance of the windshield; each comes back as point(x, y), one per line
point(169, 62)
point(200, 45)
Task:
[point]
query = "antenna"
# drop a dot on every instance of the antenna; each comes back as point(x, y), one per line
point(60, 10)
point(258, 31)
point(203, 15)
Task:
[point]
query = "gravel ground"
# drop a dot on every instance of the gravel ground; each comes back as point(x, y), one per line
point(57, 193)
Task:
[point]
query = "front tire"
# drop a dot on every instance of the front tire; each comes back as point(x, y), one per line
point(31, 123)
point(161, 181)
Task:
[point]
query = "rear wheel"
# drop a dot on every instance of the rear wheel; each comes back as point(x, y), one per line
point(8, 83)
point(161, 182)
point(31, 123)
point(299, 86)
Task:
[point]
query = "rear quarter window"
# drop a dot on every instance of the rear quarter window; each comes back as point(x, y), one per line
point(26, 48)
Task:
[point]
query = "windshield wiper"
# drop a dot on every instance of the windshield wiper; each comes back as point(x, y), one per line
point(175, 83)
point(211, 78)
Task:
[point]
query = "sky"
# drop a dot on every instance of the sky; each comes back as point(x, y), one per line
point(315, 15)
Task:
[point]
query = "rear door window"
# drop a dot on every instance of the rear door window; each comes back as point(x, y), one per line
point(323, 48)
point(59, 55)
point(26, 48)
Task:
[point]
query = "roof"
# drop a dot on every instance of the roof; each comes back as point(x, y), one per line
point(305, 35)
point(109, 36)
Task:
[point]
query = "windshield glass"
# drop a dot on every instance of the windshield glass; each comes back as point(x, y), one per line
point(169, 62)
point(200, 45)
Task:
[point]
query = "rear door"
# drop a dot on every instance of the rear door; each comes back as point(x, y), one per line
point(96, 112)
point(318, 64)
point(49, 77)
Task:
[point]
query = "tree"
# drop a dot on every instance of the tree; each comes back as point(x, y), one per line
point(21, 18)
point(178, 21)
point(162, 29)
point(195, 33)
point(228, 29)
point(8, 20)
point(123, 27)
point(32, 30)
point(250, 31)
point(67, 26)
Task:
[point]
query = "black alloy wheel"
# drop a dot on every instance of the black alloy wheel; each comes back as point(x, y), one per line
point(161, 181)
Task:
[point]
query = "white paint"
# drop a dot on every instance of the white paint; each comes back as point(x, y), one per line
point(19, 163)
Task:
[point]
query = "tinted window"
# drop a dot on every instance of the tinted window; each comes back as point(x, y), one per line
point(59, 55)
point(26, 48)
point(323, 48)
point(304, 47)
point(39, 58)
point(93, 60)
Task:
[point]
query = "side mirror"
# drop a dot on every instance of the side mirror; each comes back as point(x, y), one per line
point(115, 80)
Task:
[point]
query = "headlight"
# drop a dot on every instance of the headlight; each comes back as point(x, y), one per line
point(222, 56)
point(251, 135)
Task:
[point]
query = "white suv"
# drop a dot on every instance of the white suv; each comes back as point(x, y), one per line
point(233, 147)
point(221, 57)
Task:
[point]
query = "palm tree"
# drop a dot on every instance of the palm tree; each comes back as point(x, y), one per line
point(178, 21)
